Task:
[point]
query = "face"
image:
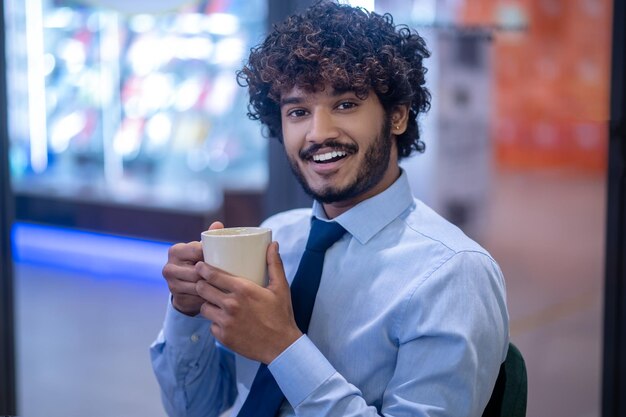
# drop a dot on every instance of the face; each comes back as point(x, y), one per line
point(339, 146)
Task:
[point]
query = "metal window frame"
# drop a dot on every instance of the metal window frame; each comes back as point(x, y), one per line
point(614, 357)
point(7, 320)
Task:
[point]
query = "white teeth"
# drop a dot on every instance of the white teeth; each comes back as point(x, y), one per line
point(328, 155)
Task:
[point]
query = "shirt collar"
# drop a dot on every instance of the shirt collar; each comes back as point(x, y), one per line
point(369, 217)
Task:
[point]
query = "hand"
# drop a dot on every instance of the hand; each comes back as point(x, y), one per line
point(253, 321)
point(181, 275)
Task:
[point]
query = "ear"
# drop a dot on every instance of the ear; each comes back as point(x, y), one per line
point(399, 119)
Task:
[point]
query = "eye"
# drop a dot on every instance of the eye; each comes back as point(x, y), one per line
point(346, 105)
point(296, 113)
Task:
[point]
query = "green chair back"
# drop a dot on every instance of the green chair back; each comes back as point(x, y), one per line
point(510, 394)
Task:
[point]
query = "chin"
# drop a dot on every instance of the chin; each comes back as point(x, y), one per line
point(328, 195)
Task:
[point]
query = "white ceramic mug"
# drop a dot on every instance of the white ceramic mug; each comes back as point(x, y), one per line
point(240, 251)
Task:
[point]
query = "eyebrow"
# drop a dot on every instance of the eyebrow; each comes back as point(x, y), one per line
point(291, 100)
point(301, 98)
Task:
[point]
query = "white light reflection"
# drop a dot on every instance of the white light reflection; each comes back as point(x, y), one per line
point(158, 131)
point(424, 12)
point(229, 51)
point(110, 95)
point(132, 107)
point(189, 23)
point(37, 118)
point(148, 95)
point(49, 63)
point(73, 53)
point(366, 4)
point(194, 48)
point(142, 23)
point(222, 94)
point(146, 54)
point(64, 129)
point(188, 94)
point(221, 24)
point(156, 92)
point(58, 18)
point(128, 138)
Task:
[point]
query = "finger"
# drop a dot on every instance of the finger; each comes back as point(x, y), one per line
point(219, 278)
point(275, 269)
point(173, 272)
point(185, 253)
point(188, 304)
point(210, 293)
point(211, 312)
point(183, 287)
point(217, 332)
point(216, 225)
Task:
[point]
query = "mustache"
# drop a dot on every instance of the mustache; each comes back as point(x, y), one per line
point(308, 153)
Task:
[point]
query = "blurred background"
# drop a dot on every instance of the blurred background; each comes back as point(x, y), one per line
point(127, 131)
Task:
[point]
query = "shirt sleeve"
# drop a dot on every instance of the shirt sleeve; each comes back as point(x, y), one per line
point(196, 375)
point(452, 338)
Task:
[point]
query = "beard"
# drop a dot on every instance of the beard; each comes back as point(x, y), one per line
point(370, 173)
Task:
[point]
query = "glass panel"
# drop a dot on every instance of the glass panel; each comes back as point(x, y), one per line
point(516, 155)
point(124, 108)
point(139, 109)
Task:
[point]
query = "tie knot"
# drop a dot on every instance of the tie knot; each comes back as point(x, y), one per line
point(323, 235)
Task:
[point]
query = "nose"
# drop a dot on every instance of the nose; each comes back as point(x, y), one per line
point(322, 127)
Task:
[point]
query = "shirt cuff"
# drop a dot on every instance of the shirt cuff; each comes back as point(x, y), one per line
point(300, 369)
point(182, 330)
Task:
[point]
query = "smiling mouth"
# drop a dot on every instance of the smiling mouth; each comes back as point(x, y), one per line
point(330, 151)
point(325, 158)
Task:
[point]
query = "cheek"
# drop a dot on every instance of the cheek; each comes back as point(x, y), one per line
point(291, 141)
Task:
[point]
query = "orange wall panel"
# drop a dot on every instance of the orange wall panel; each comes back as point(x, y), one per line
point(551, 82)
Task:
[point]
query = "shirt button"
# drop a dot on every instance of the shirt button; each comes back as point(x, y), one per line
point(194, 338)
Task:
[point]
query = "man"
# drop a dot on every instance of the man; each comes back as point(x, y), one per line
point(410, 316)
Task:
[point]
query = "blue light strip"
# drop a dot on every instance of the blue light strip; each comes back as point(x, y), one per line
point(92, 253)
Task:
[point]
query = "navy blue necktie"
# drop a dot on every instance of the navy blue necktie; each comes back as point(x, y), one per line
point(265, 396)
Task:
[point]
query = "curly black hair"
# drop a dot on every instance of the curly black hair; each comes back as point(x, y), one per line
point(347, 48)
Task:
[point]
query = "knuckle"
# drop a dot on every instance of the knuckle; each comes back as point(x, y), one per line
point(174, 288)
point(201, 287)
point(211, 275)
point(174, 250)
point(185, 252)
point(202, 269)
point(216, 330)
point(241, 288)
point(167, 271)
point(204, 309)
point(196, 247)
point(231, 306)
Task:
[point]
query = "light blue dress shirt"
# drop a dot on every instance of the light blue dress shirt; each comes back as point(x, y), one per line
point(410, 320)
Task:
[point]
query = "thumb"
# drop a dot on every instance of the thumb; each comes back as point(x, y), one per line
point(216, 225)
point(277, 280)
